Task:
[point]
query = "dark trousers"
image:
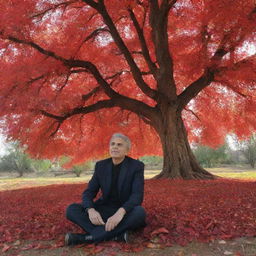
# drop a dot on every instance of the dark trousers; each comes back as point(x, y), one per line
point(132, 220)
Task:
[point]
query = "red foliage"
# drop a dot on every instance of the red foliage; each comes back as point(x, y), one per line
point(32, 80)
point(177, 212)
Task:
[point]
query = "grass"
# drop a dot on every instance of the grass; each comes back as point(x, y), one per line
point(16, 183)
point(234, 172)
point(245, 175)
point(26, 182)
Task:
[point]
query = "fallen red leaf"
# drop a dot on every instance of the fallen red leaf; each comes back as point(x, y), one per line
point(219, 205)
point(6, 248)
point(159, 231)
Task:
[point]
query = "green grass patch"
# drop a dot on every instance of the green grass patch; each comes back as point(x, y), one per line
point(27, 182)
point(236, 175)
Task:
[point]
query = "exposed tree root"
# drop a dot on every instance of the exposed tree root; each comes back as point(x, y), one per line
point(200, 174)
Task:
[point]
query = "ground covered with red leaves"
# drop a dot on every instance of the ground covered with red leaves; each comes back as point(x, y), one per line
point(177, 212)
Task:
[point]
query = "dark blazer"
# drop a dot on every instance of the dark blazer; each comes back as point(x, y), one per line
point(130, 184)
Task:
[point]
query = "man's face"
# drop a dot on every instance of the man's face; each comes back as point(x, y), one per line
point(118, 148)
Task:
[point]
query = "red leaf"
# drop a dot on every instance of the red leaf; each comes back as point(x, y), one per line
point(6, 248)
point(159, 231)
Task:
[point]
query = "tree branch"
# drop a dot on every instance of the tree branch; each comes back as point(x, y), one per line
point(123, 48)
point(145, 51)
point(193, 89)
point(87, 96)
point(92, 35)
point(190, 110)
point(95, 33)
point(159, 24)
point(122, 101)
point(92, 3)
point(37, 47)
point(224, 49)
point(127, 104)
point(71, 64)
point(65, 4)
point(231, 87)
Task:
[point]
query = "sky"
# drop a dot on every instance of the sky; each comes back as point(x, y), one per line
point(2, 145)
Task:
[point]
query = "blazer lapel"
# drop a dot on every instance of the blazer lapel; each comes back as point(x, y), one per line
point(122, 175)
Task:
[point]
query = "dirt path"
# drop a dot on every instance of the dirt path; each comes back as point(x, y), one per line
point(236, 247)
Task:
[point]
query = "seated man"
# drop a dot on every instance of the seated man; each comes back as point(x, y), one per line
point(121, 180)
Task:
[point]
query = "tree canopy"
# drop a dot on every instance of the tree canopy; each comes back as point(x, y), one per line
point(72, 72)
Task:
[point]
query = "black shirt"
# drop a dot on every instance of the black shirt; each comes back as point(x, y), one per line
point(113, 195)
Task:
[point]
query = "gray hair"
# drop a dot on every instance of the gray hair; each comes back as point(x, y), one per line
point(123, 137)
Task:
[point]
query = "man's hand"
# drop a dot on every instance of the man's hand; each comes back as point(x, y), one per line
point(95, 217)
point(114, 220)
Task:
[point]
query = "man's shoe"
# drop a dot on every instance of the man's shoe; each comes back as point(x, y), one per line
point(75, 239)
point(124, 237)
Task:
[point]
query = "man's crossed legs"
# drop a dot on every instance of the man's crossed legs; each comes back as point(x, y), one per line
point(95, 234)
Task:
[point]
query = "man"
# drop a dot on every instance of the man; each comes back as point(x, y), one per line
point(121, 181)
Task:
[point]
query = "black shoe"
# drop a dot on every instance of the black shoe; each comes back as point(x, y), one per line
point(124, 237)
point(75, 239)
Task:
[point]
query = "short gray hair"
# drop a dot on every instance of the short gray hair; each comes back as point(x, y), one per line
point(123, 137)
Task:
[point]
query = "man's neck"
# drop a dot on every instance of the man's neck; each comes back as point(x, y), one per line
point(117, 161)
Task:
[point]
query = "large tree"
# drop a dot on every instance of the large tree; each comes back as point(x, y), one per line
point(74, 71)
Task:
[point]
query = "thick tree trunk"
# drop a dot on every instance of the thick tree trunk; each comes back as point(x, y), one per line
point(179, 160)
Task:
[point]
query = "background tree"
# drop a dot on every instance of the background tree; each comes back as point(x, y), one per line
point(248, 148)
point(162, 71)
point(83, 167)
point(152, 162)
point(16, 160)
point(209, 157)
point(41, 165)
